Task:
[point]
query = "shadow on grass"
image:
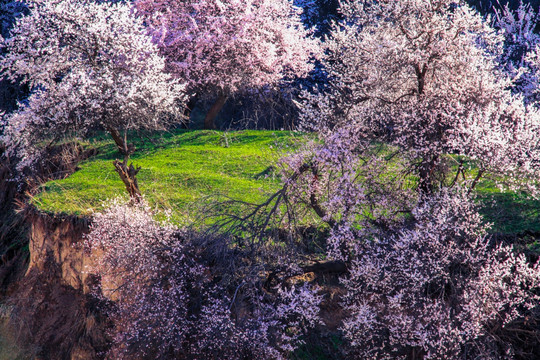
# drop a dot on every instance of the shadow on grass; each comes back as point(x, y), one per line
point(512, 213)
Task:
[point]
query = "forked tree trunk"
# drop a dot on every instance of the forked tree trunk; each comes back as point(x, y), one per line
point(209, 120)
point(127, 173)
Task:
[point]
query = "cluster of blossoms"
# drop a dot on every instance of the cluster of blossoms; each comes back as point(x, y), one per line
point(166, 304)
point(350, 186)
point(517, 27)
point(226, 46)
point(407, 73)
point(9, 11)
point(437, 288)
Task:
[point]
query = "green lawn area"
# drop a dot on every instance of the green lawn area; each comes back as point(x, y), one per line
point(183, 170)
point(180, 171)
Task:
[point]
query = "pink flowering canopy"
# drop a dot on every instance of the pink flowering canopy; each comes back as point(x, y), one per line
point(520, 40)
point(437, 287)
point(90, 66)
point(230, 45)
point(169, 305)
point(424, 76)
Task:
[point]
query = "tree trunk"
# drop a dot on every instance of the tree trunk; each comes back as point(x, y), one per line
point(213, 112)
point(189, 108)
point(421, 77)
point(128, 174)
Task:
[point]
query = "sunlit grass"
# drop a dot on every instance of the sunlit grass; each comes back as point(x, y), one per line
point(179, 171)
point(184, 170)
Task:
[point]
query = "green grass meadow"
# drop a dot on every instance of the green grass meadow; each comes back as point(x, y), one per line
point(183, 170)
point(180, 170)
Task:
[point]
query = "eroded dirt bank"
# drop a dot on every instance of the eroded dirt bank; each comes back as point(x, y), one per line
point(42, 283)
point(55, 241)
point(51, 308)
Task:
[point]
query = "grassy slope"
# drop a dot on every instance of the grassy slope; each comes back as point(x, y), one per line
point(182, 168)
point(179, 170)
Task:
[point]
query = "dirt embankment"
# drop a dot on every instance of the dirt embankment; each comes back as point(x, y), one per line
point(56, 241)
point(51, 308)
point(43, 287)
point(15, 189)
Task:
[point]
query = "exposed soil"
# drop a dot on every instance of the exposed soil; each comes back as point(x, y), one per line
point(41, 277)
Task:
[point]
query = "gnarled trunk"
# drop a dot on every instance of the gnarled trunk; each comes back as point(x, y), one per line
point(127, 173)
point(214, 111)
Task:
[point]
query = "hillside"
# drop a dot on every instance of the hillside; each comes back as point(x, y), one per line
point(398, 217)
point(180, 169)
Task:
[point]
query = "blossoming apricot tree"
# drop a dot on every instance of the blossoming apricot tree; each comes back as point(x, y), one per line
point(167, 304)
point(437, 289)
point(91, 66)
point(424, 76)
